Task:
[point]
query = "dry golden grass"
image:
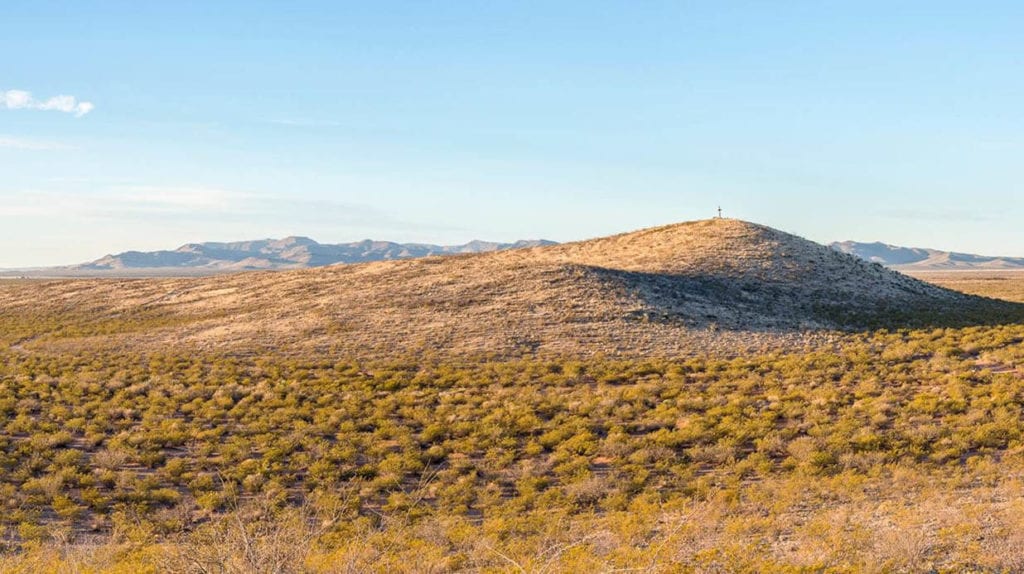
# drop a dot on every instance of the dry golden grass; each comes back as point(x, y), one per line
point(1008, 285)
point(893, 453)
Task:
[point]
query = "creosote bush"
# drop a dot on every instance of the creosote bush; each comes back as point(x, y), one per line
point(892, 450)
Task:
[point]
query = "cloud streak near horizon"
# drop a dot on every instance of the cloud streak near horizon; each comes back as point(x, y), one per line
point(22, 100)
point(8, 142)
point(139, 202)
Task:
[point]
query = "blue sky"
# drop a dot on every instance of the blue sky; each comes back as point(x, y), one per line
point(448, 121)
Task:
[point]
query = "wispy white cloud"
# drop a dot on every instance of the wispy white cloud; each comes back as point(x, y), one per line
point(150, 198)
point(188, 203)
point(939, 215)
point(121, 202)
point(305, 123)
point(22, 100)
point(30, 144)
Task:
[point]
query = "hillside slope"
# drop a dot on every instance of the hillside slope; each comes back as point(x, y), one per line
point(714, 286)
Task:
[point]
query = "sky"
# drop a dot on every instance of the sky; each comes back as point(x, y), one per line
point(147, 125)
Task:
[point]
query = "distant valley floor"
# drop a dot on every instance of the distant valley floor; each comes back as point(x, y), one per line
point(1008, 285)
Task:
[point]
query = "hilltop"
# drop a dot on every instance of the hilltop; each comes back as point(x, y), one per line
point(713, 286)
point(922, 259)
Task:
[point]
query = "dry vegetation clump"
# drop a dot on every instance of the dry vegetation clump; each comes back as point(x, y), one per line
point(894, 451)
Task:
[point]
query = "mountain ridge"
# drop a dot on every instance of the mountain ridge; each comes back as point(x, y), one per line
point(293, 252)
point(925, 259)
point(297, 252)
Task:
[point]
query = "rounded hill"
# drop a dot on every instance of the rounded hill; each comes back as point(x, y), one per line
point(718, 286)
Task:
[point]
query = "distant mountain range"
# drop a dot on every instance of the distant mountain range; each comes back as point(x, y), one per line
point(287, 253)
point(302, 252)
point(921, 259)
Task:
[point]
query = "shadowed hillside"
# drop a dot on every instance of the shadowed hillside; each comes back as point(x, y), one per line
point(714, 286)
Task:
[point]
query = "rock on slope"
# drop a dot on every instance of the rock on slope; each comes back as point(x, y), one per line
point(715, 286)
